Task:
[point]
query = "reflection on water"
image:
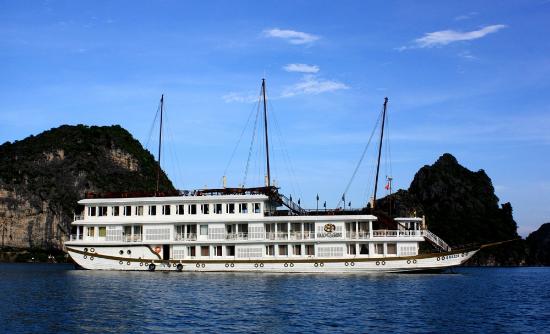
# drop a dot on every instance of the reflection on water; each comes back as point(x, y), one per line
point(54, 298)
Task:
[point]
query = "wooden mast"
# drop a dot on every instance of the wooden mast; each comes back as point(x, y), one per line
point(266, 137)
point(379, 151)
point(160, 140)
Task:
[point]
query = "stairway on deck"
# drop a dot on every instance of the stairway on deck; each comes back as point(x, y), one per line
point(436, 241)
point(292, 206)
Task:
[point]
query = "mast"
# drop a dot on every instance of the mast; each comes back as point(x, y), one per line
point(266, 137)
point(160, 139)
point(380, 151)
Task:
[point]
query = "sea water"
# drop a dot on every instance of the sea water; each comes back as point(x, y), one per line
point(47, 298)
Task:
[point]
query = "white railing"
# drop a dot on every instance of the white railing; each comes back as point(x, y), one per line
point(357, 235)
point(185, 236)
point(237, 236)
point(276, 235)
point(132, 238)
point(78, 217)
point(437, 241)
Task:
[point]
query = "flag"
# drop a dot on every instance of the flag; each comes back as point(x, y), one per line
point(387, 186)
point(325, 204)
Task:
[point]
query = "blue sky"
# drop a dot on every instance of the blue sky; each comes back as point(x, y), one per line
point(468, 77)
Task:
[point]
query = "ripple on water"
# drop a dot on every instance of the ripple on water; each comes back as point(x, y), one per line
point(54, 298)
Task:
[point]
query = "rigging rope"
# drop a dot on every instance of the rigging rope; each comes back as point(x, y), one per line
point(152, 127)
point(361, 159)
point(251, 144)
point(240, 137)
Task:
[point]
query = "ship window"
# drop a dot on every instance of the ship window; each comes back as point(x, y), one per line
point(166, 210)
point(179, 209)
point(217, 250)
point(102, 211)
point(137, 230)
point(205, 250)
point(363, 249)
point(191, 251)
point(91, 211)
point(205, 209)
point(392, 248)
point(102, 231)
point(230, 250)
point(297, 249)
point(127, 210)
point(90, 231)
point(139, 210)
point(204, 229)
point(192, 209)
point(310, 250)
point(351, 249)
point(243, 207)
point(257, 208)
point(152, 210)
point(231, 208)
point(217, 208)
point(379, 248)
point(283, 250)
point(270, 250)
point(115, 210)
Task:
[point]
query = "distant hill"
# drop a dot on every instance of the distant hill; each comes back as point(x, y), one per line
point(42, 177)
point(538, 246)
point(461, 207)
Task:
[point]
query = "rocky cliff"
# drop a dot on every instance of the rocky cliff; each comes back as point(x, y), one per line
point(461, 207)
point(42, 177)
point(538, 246)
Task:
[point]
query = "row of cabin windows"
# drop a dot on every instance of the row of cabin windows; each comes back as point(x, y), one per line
point(269, 250)
point(166, 210)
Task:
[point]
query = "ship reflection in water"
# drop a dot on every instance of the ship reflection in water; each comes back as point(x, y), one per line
point(54, 298)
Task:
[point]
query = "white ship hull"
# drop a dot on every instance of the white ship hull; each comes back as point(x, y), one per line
point(144, 259)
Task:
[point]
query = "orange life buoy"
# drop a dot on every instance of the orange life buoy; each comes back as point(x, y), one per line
point(157, 249)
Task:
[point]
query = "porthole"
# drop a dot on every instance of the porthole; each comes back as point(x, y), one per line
point(352, 264)
point(346, 264)
point(292, 264)
point(383, 263)
point(91, 258)
point(85, 250)
point(321, 264)
point(203, 265)
point(261, 265)
point(286, 264)
point(92, 250)
point(128, 263)
point(129, 252)
point(120, 262)
point(232, 265)
point(121, 252)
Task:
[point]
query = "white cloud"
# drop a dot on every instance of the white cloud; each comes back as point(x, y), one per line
point(466, 16)
point(292, 36)
point(444, 37)
point(239, 97)
point(310, 84)
point(302, 68)
point(467, 55)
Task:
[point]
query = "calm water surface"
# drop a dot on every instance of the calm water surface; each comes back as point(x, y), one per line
point(40, 298)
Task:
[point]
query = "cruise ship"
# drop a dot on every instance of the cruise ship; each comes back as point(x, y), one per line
point(249, 230)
